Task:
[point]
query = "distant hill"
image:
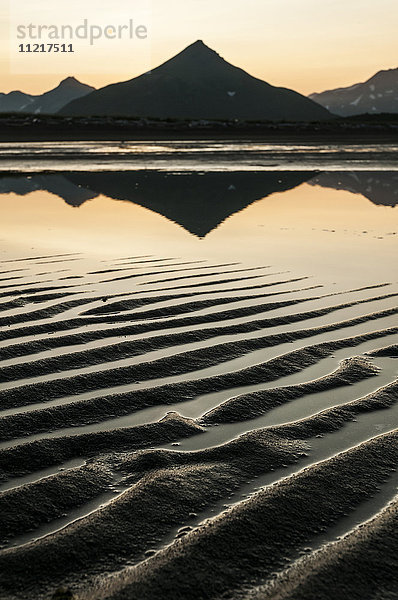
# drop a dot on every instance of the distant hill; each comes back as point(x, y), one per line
point(198, 84)
point(48, 103)
point(377, 95)
point(380, 187)
point(15, 102)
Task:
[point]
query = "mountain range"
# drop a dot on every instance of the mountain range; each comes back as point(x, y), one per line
point(48, 103)
point(198, 84)
point(379, 94)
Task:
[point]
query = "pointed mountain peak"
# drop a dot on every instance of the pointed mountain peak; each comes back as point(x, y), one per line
point(200, 48)
point(194, 59)
point(69, 81)
point(199, 44)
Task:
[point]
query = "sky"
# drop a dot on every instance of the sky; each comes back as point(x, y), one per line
point(306, 45)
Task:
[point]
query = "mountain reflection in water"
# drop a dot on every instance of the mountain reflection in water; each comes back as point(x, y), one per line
point(198, 202)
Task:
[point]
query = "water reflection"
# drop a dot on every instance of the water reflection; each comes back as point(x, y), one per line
point(198, 202)
point(381, 187)
point(337, 226)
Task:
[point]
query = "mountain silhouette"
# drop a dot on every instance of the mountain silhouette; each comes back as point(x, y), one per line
point(49, 102)
point(198, 84)
point(15, 102)
point(379, 94)
point(197, 202)
point(380, 187)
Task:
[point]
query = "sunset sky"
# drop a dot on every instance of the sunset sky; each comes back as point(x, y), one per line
point(307, 45)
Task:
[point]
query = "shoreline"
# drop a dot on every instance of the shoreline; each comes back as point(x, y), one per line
point(25, 127)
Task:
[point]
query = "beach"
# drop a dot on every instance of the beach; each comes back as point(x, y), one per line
point(198, 370)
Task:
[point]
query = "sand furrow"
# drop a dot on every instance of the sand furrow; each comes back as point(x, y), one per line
point(220, 557)
point(136, 303)
point(250, 406)
point(176, 364)
point(27, 458)
point(27, 507)
point(39, 345)
point(182, 277)
point(53, 325)
point(103, 408)
point(198, 481)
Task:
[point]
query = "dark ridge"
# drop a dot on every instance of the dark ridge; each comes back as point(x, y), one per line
point(362, 566)
point(190, 360)
point(32, 291)
point(30, 258)
point(45, 313)
point(187, 307)
point(18, 302)
point(20, 286)
point(107, 407)
point(67, 325)
point(390, 351)
point(11, 279)
point(268, 530)
point(132, 267)
point(133, 303)
point(250, 406)
point(32, 456)
point(172, 339)
point(178, 364)
point(197, 276)
point(25, 508)
point(12, 271)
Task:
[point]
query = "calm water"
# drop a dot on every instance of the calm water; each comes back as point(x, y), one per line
point(341, 226)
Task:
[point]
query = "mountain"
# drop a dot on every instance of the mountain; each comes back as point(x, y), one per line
point(380, 187)
point(198, 84)
point(49, 103)
point(197, 202)
point(379, 94)
point(15, 102)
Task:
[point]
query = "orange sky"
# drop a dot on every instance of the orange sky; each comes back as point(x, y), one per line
point(307, 45)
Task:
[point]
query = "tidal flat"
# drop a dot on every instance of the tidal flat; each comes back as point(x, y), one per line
point(198, 366)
